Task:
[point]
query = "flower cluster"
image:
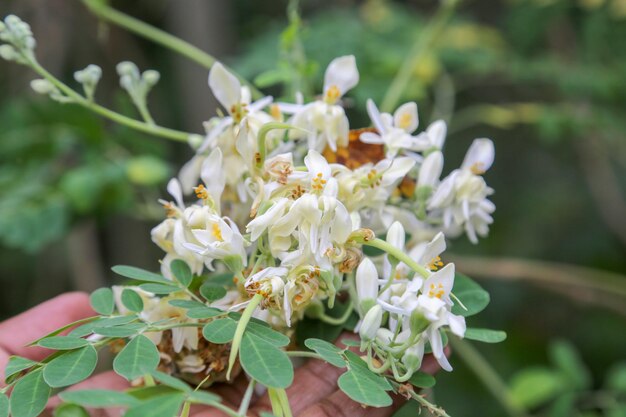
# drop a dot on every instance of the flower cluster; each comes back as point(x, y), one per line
point(287, 195)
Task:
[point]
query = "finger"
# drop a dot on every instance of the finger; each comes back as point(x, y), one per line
point(340, 405)
point(107, 380)
point(4, 359)
point(18, 331)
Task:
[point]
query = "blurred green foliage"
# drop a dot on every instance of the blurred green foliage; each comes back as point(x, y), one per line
point(58, 164)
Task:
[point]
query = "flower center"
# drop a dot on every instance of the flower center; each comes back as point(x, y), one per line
point(318, 182)
point(217, 232)
point(405, 121)
point(201, 192)
point(332, 94)
point(435, 263)
point(477, 168)
point(436, 291)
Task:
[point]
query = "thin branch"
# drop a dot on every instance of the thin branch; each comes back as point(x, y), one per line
point(111, 15)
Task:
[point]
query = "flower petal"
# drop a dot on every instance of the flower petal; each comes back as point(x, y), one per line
point(341, 73)
point(479, 156)
point(406, 118)
point(225, 86)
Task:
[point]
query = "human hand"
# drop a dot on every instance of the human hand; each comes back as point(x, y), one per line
point(314, 392)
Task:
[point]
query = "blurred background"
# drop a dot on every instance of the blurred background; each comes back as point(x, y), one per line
point(545, 79)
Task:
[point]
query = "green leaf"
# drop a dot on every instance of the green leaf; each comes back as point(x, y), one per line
point(359, 366)
point(4, 406)
point(224, 279)
point(535, 386)
point(70, 410)
point(422, 380)
point(268, 334)
point(159, 288)
point(566, 358)
point(616, 377)
point(139, 274)
point(140, 356)
point(170, 381)
point(160, 406)
point(563, 406)
point(363, 390)
point(212, 292)
point(30, 395)
point(63, 342)
point(472, 295)
point(132, 300)
point(204, 313)
point(485, 335)
point(67, 326)
point(204, 397)
point(350, 343)
point(181, 272)
point(102, 301)
point(16, 365)
point(265, 362)
point(71, 367)
point(186, 304)
point(98, 398)
point(88, 328)
point(126, 330)
point(220, 331)
point(329, 352)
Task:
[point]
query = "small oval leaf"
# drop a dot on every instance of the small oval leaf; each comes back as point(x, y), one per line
point(265, 362)
point(329, 352)
point(140, 356)
point(212, 292)
point(181, 272)
point(132, 300)
point(99, 398)
point(63, 342)
point(220, 331)
point(139, 274)
point(30, 395)
point(485, 335)
point(363, 390)
point(102, 301)
point(71, 367)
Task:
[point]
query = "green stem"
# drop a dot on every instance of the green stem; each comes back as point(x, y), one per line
point(263, 131)
point(426, 39)
point(336, 321)
point(486, 374)
point(109, 14)
point(399, 255)
point(303, 354)
point(185, 410)
point(241, 328)
point(432, 408)
point(284, 402)
point(149, 380)
point(110, 114)
point(247, 397)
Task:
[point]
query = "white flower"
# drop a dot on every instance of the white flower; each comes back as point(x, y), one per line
point(395, 131)
point(325, 120)
point(461, 198)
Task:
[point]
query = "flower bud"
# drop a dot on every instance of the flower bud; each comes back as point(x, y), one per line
point(371, 323)
point(41, 86)
point(412, 358)
point(195, 140)
point(8, 53)
point(418, 323)
point(151, 77)
point(366, 281)
point(127, 68)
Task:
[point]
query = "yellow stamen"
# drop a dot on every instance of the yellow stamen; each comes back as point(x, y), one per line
point(217, 232)
point(318, 183)
point(435, 263)
point(477, 168)
point(436, 291)
point(332, 94)
point(201, 192)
